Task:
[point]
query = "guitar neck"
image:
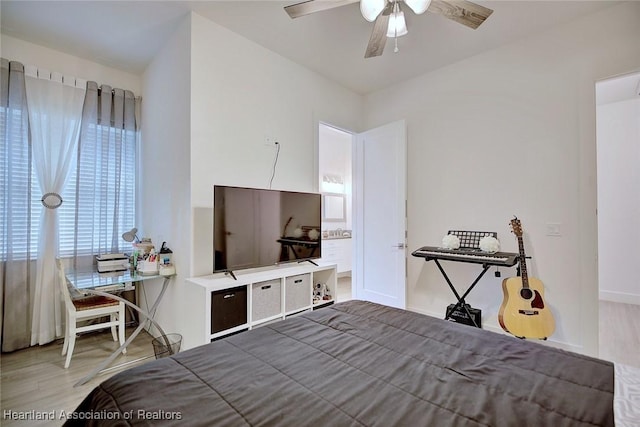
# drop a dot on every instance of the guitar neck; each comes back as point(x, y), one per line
point(523, 263)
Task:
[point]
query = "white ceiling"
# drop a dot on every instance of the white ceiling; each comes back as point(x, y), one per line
point(127, 34)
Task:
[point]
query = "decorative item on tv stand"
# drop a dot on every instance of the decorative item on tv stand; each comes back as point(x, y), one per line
point(321, 293)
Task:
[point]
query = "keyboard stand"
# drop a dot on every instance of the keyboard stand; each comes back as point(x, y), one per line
point(467, 254)
point(461, 303)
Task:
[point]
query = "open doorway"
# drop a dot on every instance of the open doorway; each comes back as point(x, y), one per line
point(335, 182)
point(618, 171)
point(363, 181)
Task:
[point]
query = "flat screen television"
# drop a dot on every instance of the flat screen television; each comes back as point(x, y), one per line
point(256, 227)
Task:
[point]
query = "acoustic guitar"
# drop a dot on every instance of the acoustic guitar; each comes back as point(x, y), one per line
point(524, 312)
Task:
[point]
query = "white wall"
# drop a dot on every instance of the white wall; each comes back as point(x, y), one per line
point(211, 97)
point(512, 131)
point(165, 167)
point(42, 57)
point(618, 136)
point(240, 93)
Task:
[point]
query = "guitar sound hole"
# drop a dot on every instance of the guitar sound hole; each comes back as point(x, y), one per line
point(526, 293)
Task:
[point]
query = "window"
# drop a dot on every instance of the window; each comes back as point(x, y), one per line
point(101, 189)
point(99, 196)
point(19, 204)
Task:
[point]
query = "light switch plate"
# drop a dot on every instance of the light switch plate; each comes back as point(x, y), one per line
point(554, 229)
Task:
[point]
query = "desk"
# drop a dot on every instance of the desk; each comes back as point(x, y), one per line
point(90, 282)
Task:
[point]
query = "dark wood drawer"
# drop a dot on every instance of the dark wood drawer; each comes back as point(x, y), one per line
point(228, 308)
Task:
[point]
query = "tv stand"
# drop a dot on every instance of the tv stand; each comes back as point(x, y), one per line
point(220, 305)
point(308, 260)
point(230, 273)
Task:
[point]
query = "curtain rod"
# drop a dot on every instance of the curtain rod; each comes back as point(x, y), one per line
point(37, 72)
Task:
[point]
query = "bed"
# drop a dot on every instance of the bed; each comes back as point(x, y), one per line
point(359, 364)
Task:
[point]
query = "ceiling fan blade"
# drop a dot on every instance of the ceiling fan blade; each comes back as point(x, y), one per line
point(379, 34)
point(461, 11)
point(311, 6)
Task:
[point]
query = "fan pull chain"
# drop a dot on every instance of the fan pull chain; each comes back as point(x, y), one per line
point(395, 49)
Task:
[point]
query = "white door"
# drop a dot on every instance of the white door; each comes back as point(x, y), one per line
point(380, 181)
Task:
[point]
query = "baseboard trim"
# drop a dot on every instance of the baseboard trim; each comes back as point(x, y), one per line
point(621, 297)
point(495, 328)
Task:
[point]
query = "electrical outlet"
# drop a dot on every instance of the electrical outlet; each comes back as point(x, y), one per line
point(269, 141)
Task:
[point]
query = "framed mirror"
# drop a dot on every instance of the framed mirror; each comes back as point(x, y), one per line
point(334, 207)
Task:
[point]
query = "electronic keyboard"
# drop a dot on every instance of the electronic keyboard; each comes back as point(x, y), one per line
point(476, 256)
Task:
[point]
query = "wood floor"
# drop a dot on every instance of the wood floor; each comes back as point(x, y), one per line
point(34, 379)
point(620, 333)
point(344, 289)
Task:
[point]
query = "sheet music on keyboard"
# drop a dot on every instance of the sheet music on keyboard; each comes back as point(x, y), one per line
point(506, 259)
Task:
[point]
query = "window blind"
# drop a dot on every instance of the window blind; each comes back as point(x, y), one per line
point(20, 202)
point(99, 196)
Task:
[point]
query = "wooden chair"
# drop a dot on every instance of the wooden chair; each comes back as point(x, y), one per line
point(92, 307)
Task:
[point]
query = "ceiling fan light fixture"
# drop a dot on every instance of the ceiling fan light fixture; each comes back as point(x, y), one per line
point(397, 25)
point(370, 9)
point(418, 6)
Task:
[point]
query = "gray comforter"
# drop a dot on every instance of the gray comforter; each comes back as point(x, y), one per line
point(355, 364)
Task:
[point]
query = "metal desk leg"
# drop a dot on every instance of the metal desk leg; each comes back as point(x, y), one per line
point(135, 333)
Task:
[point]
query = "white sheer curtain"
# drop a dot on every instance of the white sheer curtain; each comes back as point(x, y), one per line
point(55, 112)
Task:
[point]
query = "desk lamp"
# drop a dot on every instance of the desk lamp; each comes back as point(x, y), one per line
point(131, 235)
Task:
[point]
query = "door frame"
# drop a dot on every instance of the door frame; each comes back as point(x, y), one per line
point(317, 188)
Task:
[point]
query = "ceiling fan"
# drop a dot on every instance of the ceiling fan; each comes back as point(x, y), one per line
point(389, 17)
